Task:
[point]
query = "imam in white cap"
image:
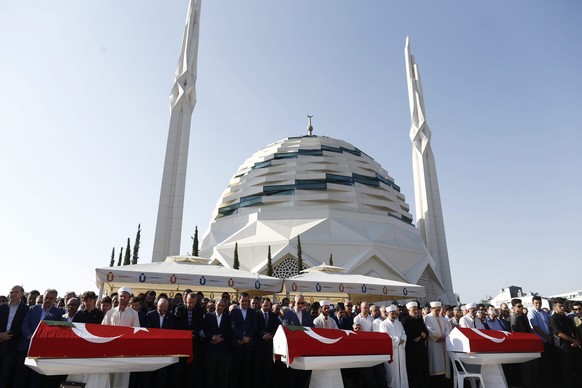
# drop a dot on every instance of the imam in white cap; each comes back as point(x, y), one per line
point(124, 289)
point(412, 304)
point(435, 304)
point(392, 307)
point(325, 302)
point(470, 306)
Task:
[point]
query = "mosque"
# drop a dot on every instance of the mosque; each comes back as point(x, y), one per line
point(335, 198)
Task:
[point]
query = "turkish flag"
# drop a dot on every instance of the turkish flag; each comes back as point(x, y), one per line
point(469, 340)
point(85, 340)
point(300, 341)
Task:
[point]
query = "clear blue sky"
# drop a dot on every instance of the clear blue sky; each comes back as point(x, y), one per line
point(84, 116)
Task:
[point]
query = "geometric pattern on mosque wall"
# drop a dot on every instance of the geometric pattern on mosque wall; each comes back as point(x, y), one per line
point(286, 268)
point(431, 290)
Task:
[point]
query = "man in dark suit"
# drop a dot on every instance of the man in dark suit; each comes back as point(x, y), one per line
point(244, 329)
point(11, 317)
point(267, 324)
point(299, 316)
point(218, 332)
point(47, 311)
point(189, 317)
point(161, 318)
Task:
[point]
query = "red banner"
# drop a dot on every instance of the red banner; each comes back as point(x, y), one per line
point(492, 341)
point(305, 342)
point(80, 340)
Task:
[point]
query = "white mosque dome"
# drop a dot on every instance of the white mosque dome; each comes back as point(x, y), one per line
point(340, 202)
point(312, 171)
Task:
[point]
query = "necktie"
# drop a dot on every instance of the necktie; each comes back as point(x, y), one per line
point(266, 319)
point(189, 317)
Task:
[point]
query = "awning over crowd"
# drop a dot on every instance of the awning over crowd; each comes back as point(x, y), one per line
point(178, 273)
point(326, 281)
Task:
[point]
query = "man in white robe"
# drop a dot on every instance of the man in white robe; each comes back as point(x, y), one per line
point(469, 319)
point(438, 328)
point(396, 374)
point(122, 315)
point(323, 320)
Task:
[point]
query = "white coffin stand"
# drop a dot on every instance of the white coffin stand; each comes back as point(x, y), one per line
point(491, 348)
point(326, 370)
point(94, 372)
point(491, 365)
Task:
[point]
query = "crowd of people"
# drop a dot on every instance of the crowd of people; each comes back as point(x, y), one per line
point(232, 340)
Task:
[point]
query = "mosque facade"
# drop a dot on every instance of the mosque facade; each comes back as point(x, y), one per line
point(336, 198)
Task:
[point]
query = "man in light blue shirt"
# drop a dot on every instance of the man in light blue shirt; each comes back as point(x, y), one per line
point(539, 321)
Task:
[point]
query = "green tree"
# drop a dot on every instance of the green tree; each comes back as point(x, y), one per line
point(135, 256)
point(235, 263)
point(330, 259)
point(269, 263)
point(120, 257)
point(127, 258)
point(112, 262)
point(195, 250)
point(299, 256)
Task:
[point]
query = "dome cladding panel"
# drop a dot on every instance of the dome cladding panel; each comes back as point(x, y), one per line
point(312, 171)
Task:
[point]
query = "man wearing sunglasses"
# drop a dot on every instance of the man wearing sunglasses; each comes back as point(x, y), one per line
point(299, 316)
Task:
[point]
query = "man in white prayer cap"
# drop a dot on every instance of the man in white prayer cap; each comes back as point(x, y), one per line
point(396, 374)
point(469, 320)
point(122, 315)
point(438, 329)
point(323, 320)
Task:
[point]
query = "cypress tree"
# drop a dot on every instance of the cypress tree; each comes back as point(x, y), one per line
point(135, 256)
point(195, 250)
point(299, 256)
point(120, 257)
point(235, 263)
point(269, 263)
point(127, 258)
point(330, 259)
point(112, 262)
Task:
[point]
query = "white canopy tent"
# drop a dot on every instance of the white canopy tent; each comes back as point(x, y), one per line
point(178, 273)
point(326, 281)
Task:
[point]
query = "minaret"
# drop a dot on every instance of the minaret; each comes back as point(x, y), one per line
point(182, 102)
point(429, 212)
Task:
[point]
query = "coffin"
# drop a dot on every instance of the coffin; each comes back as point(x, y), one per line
point(466, 340)
point(312, 348)
point(99, 348)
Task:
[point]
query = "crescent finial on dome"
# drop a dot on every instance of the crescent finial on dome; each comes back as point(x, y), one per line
point(309, 126)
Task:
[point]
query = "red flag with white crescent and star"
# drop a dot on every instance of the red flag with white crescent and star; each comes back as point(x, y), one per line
point(85, 340)
point(470, 340)
point(299, 341)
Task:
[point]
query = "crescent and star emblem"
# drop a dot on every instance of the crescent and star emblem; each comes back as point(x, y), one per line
point(492, 339)
point(81, 331)
point(325, 340)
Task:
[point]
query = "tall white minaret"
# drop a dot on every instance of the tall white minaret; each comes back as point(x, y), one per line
point(429, 211)
point(182, 102)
